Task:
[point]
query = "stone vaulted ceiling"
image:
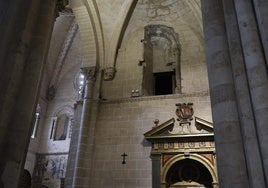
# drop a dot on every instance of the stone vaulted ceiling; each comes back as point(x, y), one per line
point(102, 23)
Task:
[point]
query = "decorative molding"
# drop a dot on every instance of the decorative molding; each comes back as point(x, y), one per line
point(194, 156)
point(54, 153)
point(65, 109)
point(65, 48)
point(67, 13)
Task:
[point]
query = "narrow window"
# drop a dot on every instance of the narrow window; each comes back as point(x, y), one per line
point(36, 123)
point(61, 128)
point(70, 131)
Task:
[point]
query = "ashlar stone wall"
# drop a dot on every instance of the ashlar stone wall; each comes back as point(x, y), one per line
point(122, 120)
point(120, 127)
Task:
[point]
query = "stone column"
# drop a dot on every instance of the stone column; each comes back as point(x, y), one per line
point(256, 73)
point(73, 144)
point(261, 11)
point(232, 171)
point(14, 47)
point(40, 21)
point(246, 116)
point(81, 168)
point(156, 171)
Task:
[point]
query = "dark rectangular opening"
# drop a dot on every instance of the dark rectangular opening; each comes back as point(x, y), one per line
point(164, 82)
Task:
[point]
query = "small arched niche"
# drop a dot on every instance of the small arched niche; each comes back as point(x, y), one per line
point(161, 73)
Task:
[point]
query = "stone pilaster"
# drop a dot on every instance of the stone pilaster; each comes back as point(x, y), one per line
point(39, 25)
point(73, 145)
point(81, 168)
point(156, 170)
point(231, 159)
point(261, 11)
point(215, 184)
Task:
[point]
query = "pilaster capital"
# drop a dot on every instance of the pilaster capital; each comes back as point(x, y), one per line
point(89, 73)
point(109, 73)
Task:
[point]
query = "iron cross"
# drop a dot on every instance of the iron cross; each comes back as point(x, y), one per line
point(124, 158)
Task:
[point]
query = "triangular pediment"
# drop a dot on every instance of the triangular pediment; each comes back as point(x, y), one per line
point(172, 129)
point(161, 129)
point(203, 125)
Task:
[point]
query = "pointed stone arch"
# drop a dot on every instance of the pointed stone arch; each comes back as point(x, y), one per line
point(87, 26)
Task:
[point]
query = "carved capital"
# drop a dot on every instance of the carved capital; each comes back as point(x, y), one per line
point(90, 73)
point(109, 73)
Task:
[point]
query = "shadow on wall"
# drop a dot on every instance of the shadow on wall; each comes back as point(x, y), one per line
point(146, 143)
point(25, 180)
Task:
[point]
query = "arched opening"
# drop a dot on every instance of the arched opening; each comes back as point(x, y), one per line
point(188, 173)
point(161, 73)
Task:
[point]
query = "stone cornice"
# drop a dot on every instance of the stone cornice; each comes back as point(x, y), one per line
point(152, 98)
point(54, 153)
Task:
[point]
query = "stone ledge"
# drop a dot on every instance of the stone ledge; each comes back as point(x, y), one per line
point(158, 97)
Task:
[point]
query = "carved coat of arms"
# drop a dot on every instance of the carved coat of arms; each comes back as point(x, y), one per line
point(184, 112)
